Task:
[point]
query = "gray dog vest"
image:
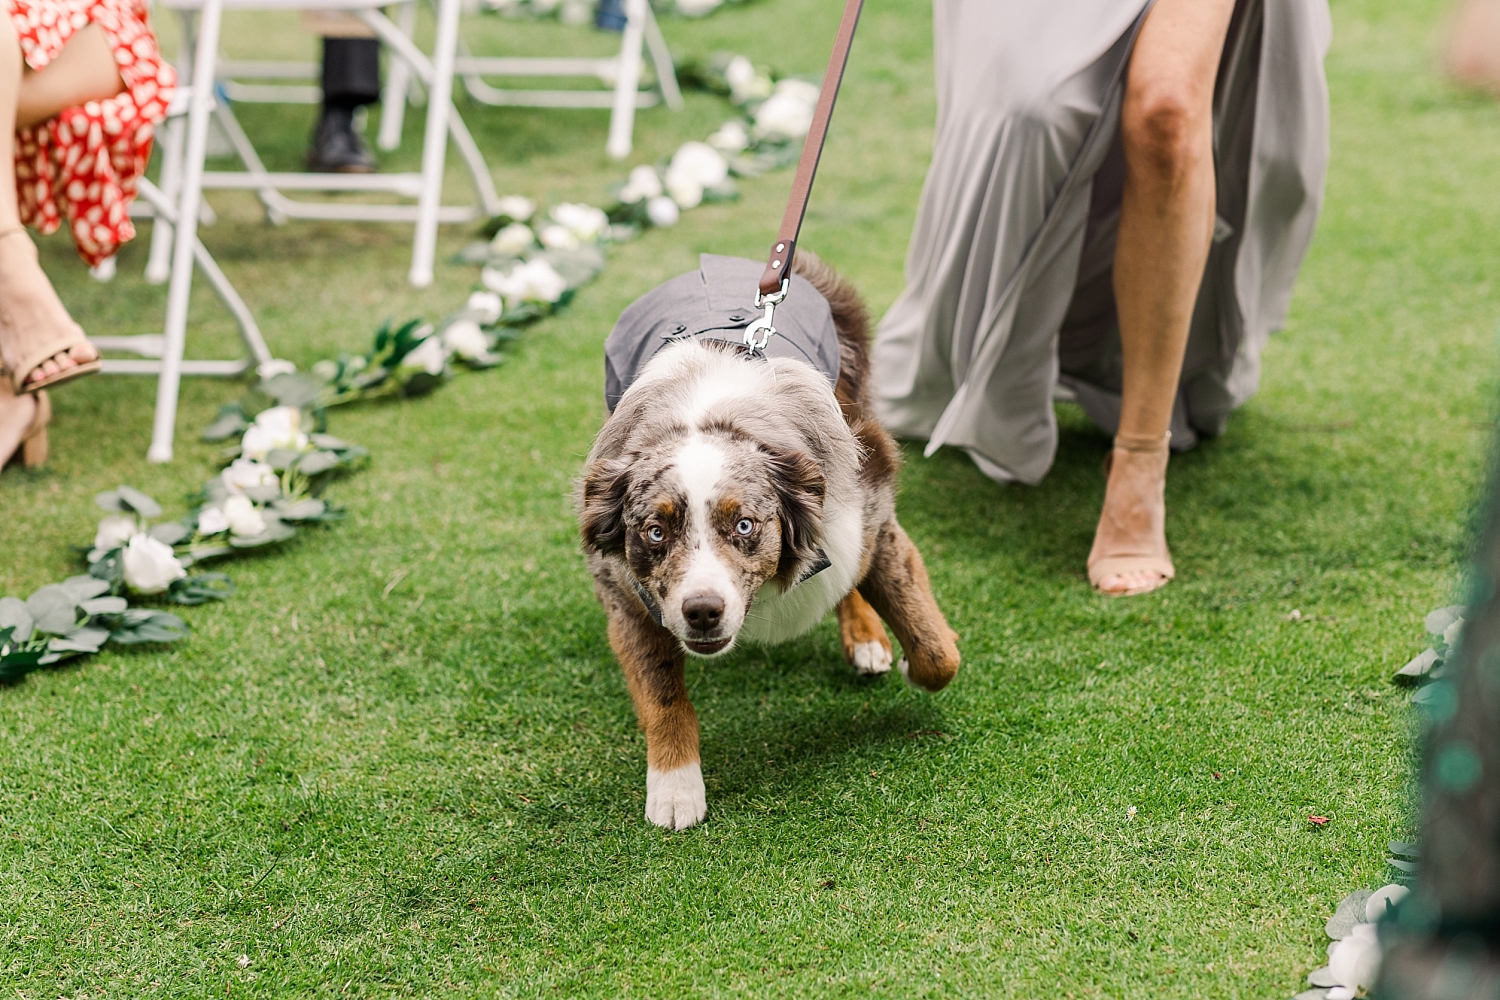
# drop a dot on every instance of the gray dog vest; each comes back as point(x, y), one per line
point(717, 302)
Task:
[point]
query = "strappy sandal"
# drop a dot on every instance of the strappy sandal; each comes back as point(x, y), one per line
point(32, 449)
point(1152, 557)
point(23, 366)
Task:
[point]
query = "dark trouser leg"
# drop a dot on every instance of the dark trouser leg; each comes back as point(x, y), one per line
point(351, 79)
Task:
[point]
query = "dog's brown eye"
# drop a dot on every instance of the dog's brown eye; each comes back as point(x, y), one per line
point(745, 527)
point(655, 535)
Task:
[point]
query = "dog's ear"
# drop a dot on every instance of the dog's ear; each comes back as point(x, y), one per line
point(799, 485)
point(601, 518)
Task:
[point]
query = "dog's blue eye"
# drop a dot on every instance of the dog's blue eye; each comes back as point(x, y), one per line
point(745, 526)
point(655, 534)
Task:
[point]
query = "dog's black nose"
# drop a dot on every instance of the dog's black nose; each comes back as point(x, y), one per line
point(703, 611)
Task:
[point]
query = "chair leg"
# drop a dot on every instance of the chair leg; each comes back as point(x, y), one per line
point(661, 58)
point(397, 80)
point(622, 118)
point(186, 235)
point(159, 264)
point(435, 144)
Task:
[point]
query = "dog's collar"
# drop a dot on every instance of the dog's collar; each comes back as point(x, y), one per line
point(654, 609)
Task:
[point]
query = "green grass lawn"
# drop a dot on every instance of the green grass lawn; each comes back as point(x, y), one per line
point(402, 759)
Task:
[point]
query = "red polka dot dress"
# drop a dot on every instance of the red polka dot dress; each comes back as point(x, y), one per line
point(84, 165)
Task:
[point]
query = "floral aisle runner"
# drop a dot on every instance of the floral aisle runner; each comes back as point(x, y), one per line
point(282, 460)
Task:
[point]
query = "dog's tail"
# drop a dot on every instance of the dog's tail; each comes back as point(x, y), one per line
point(850, 318)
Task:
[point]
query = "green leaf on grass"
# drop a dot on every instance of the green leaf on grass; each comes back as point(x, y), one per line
point(315, 463)
point(229, 423)
point(200, 588)
point(171, 532)
point(148, 625)
point(303, 510)
point(84, 587)
point(276, 531)
point(103, 606)
point(293, 389)
point(137, 501)
point(88, 639)
point(15, 618)
point(55, 610)
point(263, 494)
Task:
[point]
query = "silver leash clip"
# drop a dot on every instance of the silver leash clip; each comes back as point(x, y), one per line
point(759, 333)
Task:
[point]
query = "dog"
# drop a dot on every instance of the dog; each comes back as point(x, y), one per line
point(733, 496)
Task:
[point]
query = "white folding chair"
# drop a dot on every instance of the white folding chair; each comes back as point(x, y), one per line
point(621, 74)
point(436, 75)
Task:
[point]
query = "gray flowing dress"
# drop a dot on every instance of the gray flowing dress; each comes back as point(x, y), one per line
point(1009, 301)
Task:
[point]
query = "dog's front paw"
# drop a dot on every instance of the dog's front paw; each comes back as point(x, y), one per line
point(676, 799)
point(871, 658)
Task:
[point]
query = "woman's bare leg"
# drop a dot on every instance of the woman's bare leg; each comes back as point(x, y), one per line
point(16, 410)
point(1166, 225)
point(30, 311)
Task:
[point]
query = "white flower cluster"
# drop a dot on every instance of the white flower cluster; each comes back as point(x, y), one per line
point(529, 281)
point(1354, 957)
point(149, 564)
point(279, 427)
point(788, 112)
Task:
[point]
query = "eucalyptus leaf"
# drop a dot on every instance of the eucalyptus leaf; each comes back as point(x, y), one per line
point(1408, 867)
point(110, 500)
point(276, 531)
point(80, 640)
point(1404, 849)
point(1438, 621)
point(200, 588)
point(1351, 911)
point(1419, 665)
point(215, 492)
point(293, 389)
point(55, 610)
point(103, 606)
point(84, 587)
point(154, 626)
point(315, 463)
point(138, 501)
point(229, 423)
point(171, 532)
point(209, 552)
point(14, 615)
point(281, 459)
point(1322, 977)
point(304, 510)
point(263, 494)
point(328, 442)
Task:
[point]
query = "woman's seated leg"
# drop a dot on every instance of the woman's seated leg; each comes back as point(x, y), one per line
point(32, 318)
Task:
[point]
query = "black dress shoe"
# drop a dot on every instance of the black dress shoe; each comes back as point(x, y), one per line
point(336, 147)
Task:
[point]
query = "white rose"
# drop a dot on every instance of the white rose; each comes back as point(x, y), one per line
point(149, 565)
point(697, 8)
point(533, 281)
point(740, 75)
point(244, 520)
point(663, 211)
point(464, 338)
point(1382, 898)
point(514, 240)
point(517, 207)
point(1354, 962)
point(243, 473)
point(274, 367)
point(701, 162)
point(557, 237)
point(732, 137)
point(644, 183)
point(685, 191)
point(114, 530)
point(584, 221)
point(487, 304)
point(212, 521)
point(785, 116)
point(278, 427)
point(428, 356)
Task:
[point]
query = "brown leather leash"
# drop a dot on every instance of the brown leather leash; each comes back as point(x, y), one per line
point(776, 278)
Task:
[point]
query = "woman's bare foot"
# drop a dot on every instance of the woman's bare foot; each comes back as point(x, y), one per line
point(1130, 554)
point(17, 411)
point(32, 317)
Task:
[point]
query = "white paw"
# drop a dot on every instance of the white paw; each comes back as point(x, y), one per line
point(905, 669)
point(676, 799)
point(871, 658)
